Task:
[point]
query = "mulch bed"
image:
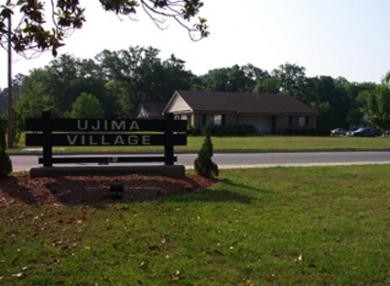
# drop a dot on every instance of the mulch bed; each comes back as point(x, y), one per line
point(74, 190)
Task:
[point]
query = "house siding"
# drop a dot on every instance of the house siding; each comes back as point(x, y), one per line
point(262, 124)
point(200, 119)
point(292, 122)
point(199, 112)
point(282, 123)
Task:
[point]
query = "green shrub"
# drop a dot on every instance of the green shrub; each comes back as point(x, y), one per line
point(5, 161)
point(204, 166)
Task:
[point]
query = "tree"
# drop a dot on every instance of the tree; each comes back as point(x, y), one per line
point(386, 79)
point(269, 84)
point(330, 98)
point(203, 164)
point(5, 162)
point(138, 74)
point(377, 106)
point(57, 86)
point(293, 80)
point(3, 102)
point(231, 79)
point(118, 79)
point(86, 106)
point(34, 30)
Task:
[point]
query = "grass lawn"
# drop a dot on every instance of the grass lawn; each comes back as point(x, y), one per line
point(282, 226)
point(254, 144)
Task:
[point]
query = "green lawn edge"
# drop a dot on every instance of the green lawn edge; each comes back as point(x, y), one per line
point(277, 226)
point(248, 144)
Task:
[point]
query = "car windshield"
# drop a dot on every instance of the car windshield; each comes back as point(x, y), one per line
point(360, 129)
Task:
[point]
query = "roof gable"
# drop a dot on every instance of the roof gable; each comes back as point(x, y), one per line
point(177, 103)
point(151, 108)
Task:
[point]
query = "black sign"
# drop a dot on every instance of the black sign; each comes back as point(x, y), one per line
point(105, 139)
point(49, 132)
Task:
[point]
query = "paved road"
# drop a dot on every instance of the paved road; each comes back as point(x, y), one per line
point(247, 160)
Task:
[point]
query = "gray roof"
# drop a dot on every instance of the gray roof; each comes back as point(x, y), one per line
point(264, 103)
point(153, 108)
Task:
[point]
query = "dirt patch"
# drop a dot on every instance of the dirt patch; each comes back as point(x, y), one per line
point(74, 190)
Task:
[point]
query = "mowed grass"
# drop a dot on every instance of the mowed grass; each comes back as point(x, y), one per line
point(252, 144)
point(282, 226)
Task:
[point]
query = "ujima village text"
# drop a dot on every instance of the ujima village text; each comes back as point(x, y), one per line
point(108, 125)
point(124, 140)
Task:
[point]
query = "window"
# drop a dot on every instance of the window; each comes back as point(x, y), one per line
point(301, 121)
point(218, 119)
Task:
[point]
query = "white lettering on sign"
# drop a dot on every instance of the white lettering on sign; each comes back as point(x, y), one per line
point(91, 142)
point(119, 140)
point(94, 140)
point(132, 140)
point(71, 141)
point(82, 124)
point(107, 125)
point(146, 140)
point(134, 126)
point(118, 125)
point(104, 142)
point(96, 126)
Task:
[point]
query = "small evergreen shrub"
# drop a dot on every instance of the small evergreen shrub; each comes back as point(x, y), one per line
point(203, 164)
point(5, 161)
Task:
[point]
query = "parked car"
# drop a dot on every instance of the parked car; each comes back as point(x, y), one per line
point(338, 132)
point(365, 131)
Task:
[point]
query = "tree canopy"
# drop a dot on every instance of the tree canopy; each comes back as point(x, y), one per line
point(86, 106)
point(121, 79)
point(41, 25)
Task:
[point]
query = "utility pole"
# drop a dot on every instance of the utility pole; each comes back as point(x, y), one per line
point(10, 109)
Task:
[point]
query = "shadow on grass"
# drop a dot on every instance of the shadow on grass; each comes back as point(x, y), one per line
point(244, 187)
point(223, 194)
point(95, 191)
point(13, 189)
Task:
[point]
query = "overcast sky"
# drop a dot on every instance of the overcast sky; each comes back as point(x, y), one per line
point(349, 38)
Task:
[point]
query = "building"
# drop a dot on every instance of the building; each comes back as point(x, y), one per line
point(268, 113)
point(150, 110)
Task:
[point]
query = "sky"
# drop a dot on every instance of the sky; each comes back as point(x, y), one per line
point(348, 38)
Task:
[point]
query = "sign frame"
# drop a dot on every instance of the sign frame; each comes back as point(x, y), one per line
point(48, 132)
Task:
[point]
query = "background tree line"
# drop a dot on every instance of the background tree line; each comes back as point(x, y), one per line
point(114, 82)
